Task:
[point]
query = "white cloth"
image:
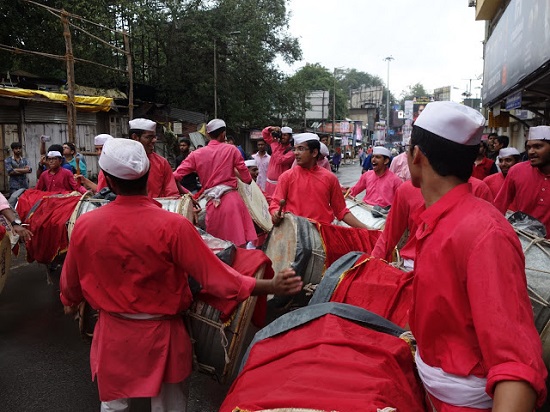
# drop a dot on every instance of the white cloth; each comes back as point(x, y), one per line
point(286, 129)
point(54, 153)
point(173, 397)
point(143, 124)
point(124, 158)
point(539, 133)
point(468, 391)
point(381, 150)
point(408, 264)
point(215, 193)
point(452, 121)
point(304, 137)
point(324, 149)
point(251, 163)
point(214, 124)
point(100, 139)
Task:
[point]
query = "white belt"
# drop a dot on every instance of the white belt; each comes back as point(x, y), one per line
point(408, 264)
point(273, 182)
point(455, 390)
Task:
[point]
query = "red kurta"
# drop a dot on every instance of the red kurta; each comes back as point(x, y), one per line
point(281, 160)
point(479, 320)
point(380, 190)
point(407, 200)
point(140, 265)
point(529, 190)
point(59, 182)
point(483, 169)
point(312, 193)
point(160, 183)
point(215, 166)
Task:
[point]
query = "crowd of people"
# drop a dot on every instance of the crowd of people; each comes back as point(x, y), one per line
point(445, 190)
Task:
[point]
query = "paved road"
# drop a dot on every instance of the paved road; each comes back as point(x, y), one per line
point(44, 363)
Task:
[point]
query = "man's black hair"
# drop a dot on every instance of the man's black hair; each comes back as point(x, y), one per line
point(71, 146)
point(55, 148)
point(446, 157)
point(130, 187)
point(503, 140)
point(137, 132)
point(216, 133)
point(15, 145)
point(186, 141)
point(314, 144)
point(492, 135)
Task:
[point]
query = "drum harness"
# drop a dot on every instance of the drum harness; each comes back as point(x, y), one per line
point(536, 241)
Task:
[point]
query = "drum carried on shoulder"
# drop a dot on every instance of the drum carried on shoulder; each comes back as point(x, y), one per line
point(363, 213)
point(256, 204)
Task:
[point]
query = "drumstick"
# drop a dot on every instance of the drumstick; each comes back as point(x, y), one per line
point(282, 204)
point(347, 193)
point(77, 160)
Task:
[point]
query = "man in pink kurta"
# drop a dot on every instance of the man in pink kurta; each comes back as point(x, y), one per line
point(380, 183)
point(57, 179)
point(507, 157)
point(477, 345)
point(309, 190)
point(226, 214)
point(281, 155)
point(136, 276)
point(262, 160)
point(400, 168)
point(528, 183)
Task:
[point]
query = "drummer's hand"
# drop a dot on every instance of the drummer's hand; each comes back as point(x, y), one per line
point(24, 234)
point(286, 282)
point(277, 217)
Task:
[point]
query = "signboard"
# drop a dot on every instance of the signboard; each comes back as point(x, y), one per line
point(513, 101)
point(409, 109)
point(366, 97)
point(318, 101)
point(177, 128)
point(419, 103)
point(442, 94)
point(255, 134)
point(518, 46)
point(358, 131)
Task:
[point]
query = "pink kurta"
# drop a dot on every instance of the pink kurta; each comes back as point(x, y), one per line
point(58, 182)
point(323, 163)
point(471, 314)
point(313, 193)
point(4, 204)
point(263, 165)
point(529, 190)
point(281, 160)
point(215, 166)
point(380, 190)
point(139, 264)
point(400, 167)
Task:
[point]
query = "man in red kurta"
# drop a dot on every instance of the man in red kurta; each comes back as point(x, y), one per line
point(57, 179)
point(507, 158)
point(528, 184)
point(379, 183)
point(309, 190)
point(99, 141)
point(281, 154)
point(477, 345)
point(135, 273)
point(483, 166)
point(226, 214)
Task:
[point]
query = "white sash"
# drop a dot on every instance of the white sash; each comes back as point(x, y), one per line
point(455, 390)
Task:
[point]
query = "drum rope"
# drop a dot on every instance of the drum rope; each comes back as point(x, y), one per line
point(537, 298)
point(216, 325)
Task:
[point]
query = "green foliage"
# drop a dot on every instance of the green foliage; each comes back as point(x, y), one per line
point(412, 91)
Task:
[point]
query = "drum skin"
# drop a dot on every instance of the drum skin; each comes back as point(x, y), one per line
point(256, 204)
point(363, 213)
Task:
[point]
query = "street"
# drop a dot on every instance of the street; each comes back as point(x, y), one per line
point(45, 362)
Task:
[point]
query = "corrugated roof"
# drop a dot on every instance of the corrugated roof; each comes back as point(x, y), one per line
point(187, 116)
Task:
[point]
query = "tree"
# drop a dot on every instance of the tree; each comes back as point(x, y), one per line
point(412, 91)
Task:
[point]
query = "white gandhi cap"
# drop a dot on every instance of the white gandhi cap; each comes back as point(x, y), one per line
point(286, 129)
point(214, 124)
point(124, 158)
point(508, 151)
point(381, 150)
point(304, 137)
point(324, 149)
point(143, 124)
point(452, 121)
point(54, 153)
point(100, 139)
point(539, 133)
point(250, 163)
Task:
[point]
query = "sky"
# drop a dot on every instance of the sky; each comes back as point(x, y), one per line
point(434, 42)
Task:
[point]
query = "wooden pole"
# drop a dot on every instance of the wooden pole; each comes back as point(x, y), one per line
point(130, 70)
point(69, 58)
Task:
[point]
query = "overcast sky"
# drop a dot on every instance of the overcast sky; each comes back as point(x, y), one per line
point(434, 42)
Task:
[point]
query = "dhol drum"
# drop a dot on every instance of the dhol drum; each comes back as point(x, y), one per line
point(296, 243)
point(180, 205)
point(218, 346)
point(363, 213)
point(537, 271)
point(256, 204)
point(328, 357)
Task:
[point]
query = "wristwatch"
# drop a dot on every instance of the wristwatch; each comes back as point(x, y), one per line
point(16, 222)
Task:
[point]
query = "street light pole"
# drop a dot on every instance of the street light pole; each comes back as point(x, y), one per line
point(388, 59)
point(334, 110)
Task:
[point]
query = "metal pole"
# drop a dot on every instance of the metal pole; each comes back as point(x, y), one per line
point(334, 110)
point(388, 59)
point(215, 83)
